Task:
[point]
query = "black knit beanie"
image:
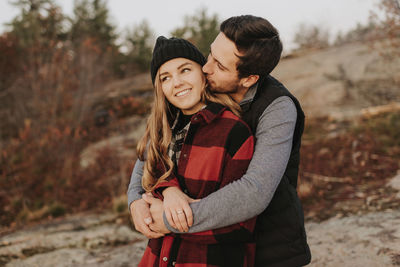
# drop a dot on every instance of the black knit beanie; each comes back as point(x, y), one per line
point(167, 49)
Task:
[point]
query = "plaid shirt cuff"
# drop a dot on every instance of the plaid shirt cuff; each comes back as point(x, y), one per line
point(159, 188)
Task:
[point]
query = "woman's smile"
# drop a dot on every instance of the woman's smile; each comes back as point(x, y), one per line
point(183, 92)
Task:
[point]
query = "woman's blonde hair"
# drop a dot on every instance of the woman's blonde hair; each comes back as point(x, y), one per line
point(153, 147)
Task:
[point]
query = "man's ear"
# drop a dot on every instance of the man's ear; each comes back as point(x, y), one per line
point(249, 80)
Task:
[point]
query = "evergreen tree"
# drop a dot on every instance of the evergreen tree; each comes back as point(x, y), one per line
point(140, 43)
point(91, 30)
point(32, 44)
point(40, 22)
point(200, 29)
point(91, 20)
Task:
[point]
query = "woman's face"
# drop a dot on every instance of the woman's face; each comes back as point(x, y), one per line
point(182, 82)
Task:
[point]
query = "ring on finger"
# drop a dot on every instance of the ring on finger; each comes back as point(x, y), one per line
point(179, 211)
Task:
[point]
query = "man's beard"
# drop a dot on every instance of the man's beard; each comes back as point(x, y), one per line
point(230, 88)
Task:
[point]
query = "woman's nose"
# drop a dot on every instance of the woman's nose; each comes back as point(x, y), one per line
point(177, 81)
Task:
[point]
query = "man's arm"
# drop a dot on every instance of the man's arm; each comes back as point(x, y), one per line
point(251, 194)
point(135, 189)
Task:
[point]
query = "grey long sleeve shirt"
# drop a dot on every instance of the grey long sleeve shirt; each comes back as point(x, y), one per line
point(251, 194)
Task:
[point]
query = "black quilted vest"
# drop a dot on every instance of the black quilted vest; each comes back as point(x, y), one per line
point(280, 234)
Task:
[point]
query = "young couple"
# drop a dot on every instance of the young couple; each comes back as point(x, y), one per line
point(217, 195)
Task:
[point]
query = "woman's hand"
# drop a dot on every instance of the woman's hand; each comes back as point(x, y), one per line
point(177, 209)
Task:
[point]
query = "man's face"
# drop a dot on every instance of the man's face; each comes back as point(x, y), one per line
point(220, 68)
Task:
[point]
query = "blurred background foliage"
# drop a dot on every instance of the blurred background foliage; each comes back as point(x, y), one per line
point(52, 67)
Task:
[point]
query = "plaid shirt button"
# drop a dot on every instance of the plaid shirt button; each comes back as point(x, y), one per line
point(165, 259)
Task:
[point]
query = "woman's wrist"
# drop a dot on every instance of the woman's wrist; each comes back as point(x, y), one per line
point(168, 189)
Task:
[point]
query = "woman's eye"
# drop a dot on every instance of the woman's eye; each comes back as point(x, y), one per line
point(185, 70)
point(163, 79)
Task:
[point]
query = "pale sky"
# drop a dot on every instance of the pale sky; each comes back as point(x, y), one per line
point(163, 16)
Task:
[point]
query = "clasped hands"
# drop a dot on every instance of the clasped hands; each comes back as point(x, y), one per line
point(147, 213)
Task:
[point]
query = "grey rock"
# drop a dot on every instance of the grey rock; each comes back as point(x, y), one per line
point(368, 240)
point(81, 240)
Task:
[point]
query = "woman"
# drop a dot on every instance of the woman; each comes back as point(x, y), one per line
point(193, 141)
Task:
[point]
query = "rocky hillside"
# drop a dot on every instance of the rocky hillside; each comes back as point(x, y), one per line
point(340, 81)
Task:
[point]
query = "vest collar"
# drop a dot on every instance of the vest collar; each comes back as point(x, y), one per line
point(249, 97)
point(251, 94)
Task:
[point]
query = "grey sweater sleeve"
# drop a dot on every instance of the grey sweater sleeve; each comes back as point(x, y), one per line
point(135, 189)
point(251, 194)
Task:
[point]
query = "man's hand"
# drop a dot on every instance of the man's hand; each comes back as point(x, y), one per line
point(156, 210)
point(177, 209)
point(140, 213)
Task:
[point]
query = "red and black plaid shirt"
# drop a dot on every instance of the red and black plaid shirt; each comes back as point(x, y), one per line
point(217, 150)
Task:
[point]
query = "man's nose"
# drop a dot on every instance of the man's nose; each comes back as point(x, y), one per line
point(206, 68)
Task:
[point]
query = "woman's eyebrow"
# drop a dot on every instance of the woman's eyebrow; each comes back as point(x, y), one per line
point(184, 64)
point(164, 73)
point(179, 67)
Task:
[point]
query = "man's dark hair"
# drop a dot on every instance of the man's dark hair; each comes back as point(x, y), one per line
point(257, 40)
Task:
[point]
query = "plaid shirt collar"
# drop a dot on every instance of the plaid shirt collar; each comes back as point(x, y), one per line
point(206, 115)
point(174, 149)
point(212, 110)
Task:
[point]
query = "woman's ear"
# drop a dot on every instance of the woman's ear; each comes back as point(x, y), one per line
point(249, 80)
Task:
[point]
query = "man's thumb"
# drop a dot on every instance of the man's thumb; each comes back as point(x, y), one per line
point(191, 200)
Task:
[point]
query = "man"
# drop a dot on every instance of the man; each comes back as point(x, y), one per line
point(241, 57)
